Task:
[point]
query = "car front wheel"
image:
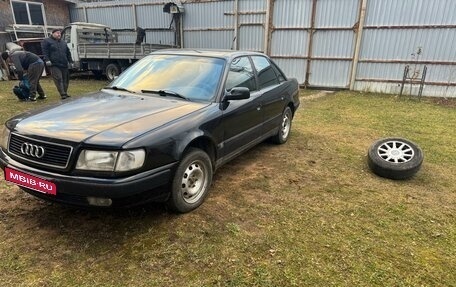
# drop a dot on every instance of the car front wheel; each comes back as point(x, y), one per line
point(191, 181)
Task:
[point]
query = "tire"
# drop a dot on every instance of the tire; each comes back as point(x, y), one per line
point(191, 181)
point(394, 158)
point(284, 128)
point(112, 71)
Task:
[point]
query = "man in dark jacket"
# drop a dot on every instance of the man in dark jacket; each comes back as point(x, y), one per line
point(27, 61)
point(57, 56)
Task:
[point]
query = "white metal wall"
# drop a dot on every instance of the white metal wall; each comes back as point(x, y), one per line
point(314, 41)
point(125, 16)
point(209, 25)
point(290, 36)
point(393, 33)
point(333, 43)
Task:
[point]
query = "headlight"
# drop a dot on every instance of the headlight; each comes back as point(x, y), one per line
point(5, 137)
point(129, 160)
point(110, 160)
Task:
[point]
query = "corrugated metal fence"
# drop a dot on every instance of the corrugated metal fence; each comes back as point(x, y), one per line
point(358, 44)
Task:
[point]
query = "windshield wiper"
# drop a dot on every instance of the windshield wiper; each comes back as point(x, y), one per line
point(117, 88)
point(165, 93)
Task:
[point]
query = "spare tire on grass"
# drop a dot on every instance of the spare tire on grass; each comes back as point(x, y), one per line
point(394, 158)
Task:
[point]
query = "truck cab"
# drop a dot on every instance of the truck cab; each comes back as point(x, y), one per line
point(78, 34)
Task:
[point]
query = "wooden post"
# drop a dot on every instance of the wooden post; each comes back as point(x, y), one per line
point(236, 25)
point(268, 27)
point(359, 36)
point(310, 46)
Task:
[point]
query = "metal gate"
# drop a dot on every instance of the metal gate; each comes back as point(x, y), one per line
point(315, 40)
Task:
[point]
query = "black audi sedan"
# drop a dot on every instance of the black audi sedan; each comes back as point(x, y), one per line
point(157, 133)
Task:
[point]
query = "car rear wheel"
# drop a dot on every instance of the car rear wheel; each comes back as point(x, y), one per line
point(191, 181)
point(394, 158)
point(284, 127)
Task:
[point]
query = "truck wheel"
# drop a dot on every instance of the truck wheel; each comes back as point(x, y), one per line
point(394, 158)
point(112, 71)
point(191, 181)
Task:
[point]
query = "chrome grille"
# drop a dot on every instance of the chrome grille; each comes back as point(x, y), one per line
point(55, 155)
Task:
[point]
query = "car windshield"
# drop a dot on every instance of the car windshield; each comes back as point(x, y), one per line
point(189, 77)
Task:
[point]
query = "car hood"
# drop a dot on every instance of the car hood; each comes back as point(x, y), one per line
point(107, 117)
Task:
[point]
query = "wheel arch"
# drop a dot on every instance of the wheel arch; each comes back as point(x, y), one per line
point(292, 108)
point(205, 144)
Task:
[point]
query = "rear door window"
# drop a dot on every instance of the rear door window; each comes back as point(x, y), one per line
point(266, 75)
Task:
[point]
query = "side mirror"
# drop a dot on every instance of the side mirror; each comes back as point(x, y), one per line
point(238, 93)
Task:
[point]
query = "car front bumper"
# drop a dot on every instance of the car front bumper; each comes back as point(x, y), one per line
point(76, 190)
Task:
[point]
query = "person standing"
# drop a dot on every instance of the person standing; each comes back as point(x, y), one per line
point(57, 57)
point(27, 61)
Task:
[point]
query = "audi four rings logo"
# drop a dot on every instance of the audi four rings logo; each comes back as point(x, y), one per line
point(32, 150)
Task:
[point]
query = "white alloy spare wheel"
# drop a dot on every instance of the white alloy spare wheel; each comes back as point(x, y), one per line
point(394, 158)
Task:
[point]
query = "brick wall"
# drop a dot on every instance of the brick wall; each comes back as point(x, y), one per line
point(56, 11)
point(6, 18)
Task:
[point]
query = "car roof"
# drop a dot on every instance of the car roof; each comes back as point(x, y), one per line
point(215, 53)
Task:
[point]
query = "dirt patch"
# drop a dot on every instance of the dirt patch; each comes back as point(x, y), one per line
point(447, 102)
point(316, 95)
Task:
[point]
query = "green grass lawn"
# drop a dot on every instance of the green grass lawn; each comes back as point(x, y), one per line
point(306, 213)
